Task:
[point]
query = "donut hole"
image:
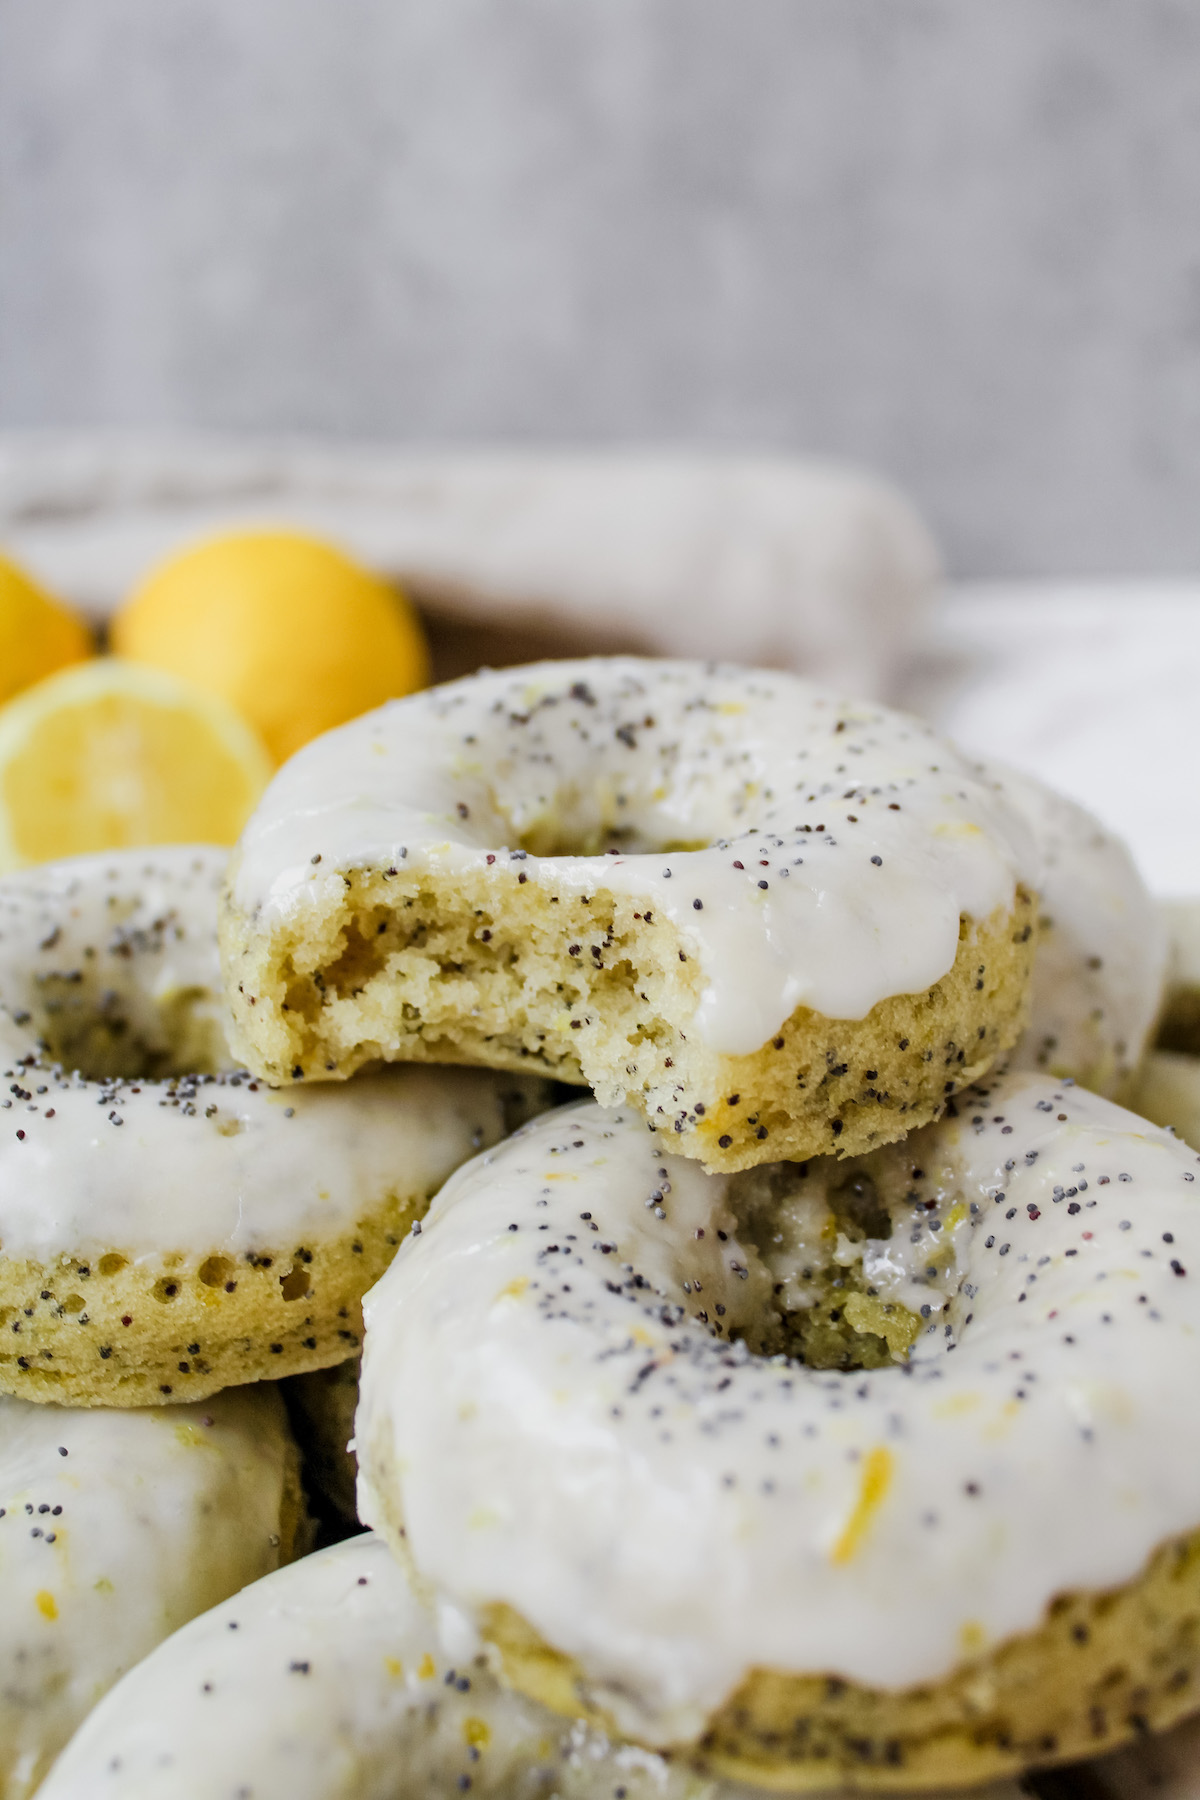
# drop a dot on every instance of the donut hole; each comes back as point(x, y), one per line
point(858, 1262)
point(550, 805)
point(112, 969)
point(112, 1263)
point(607, 836)
point(74, 1303)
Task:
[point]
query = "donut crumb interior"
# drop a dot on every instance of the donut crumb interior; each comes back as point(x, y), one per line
point(498, 969)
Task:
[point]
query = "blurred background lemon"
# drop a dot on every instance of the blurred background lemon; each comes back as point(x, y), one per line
point(113, 753)
point(37, 633)
point(286, 628)
point(227, 658)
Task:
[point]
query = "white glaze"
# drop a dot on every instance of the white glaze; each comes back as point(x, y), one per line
point(203, 1163)
point(1098, 974)
point(749, 763)
point(148, 1519)
point(223, 1163)
point(558, 1429)
point(327, 1681)
point(128, 932)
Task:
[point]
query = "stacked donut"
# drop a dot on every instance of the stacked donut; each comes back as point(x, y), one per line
point(171, 1231)
point(802, 1410)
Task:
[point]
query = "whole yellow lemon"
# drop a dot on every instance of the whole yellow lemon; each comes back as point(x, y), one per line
point(296, 635)
point(37, 634)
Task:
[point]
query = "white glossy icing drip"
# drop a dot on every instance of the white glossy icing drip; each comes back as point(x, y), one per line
point(204, 1162)
point(862, 836)
point(565, 1433)
point(1098, 974)
point(327, 1681)
point(225, 1163)
point(149, 1518)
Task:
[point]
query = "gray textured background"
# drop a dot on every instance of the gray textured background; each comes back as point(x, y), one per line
point(958, 239)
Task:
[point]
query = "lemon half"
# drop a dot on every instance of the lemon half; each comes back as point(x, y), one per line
point(110, 754)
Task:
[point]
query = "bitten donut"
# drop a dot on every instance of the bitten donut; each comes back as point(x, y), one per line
point(328, 1681)
point(870, 1471)
point(115, 1529)
point(168, 1225)
point(1101, 948)
point(774, 922)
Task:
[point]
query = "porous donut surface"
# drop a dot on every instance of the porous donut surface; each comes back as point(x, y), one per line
point(168, 1231)
point(581, 1405)
point(773, 921)
point(116, 1529)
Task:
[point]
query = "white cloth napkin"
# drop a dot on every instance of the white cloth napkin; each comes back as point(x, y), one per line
point(768, 559)
point(1093, 687)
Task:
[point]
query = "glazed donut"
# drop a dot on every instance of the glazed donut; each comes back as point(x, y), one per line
point(773, 922)
point(166, 1230)
point(790, 1467)
point(1101, 948)
point(116, 1529)
point(328, 1681)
